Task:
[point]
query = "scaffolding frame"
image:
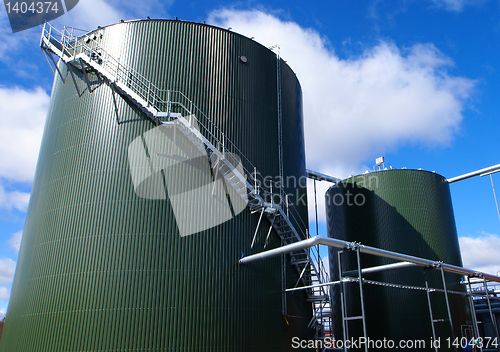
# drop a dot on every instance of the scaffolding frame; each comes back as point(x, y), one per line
point(403, 261)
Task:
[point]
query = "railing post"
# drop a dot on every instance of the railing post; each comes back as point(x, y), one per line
point(286, 201)
point(255, 180)
point(272, 194)
point(168, 102)
point(149, 91)
point(117, 69)
point(63, 38)
point(223, 147)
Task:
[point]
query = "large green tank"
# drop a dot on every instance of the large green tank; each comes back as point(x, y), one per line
point(405, 211)
point(103, 269)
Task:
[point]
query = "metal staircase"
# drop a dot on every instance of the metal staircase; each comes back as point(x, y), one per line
point(83, 55)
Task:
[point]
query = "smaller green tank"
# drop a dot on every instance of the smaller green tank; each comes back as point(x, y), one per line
point(405, 211)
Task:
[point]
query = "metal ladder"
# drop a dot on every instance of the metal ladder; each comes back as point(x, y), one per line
point(343, 281)
point(432, 318)
point(84, 54)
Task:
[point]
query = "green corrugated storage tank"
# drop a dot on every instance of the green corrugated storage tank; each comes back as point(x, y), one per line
point(405, 211)
point(102, 269)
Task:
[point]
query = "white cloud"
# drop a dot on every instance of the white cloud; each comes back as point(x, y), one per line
point(86, 15)
point(358, 109)
point(481, 253)
point(4, 295)
point(15, 240)
point(15, 199)
point(22, 117)
point(89, 14)
point(456, 5)
point(13, 43)
point(3, 313)
point(321, 188)
point(7, 269)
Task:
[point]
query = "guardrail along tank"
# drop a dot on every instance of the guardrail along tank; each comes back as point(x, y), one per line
point(133, 235)
point(404, 211)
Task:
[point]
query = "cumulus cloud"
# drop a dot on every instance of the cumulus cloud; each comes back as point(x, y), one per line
point(15, 240)
point(13, 200)
point(3, 312)
point(321, 188)
point(22, 117)
point(7, 269)
point(4, 295)
point(357, 109)
point(481, 253)
point(13, 43)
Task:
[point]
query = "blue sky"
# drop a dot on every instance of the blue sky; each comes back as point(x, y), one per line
point(417, 81)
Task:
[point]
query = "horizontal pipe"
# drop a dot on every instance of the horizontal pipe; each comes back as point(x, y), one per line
point(487, 170)
point(321, 177)
point(376, 269)
point(331, 283)
point(289, 248)
point(332, 242)
point(476, 281)
point(487, 311)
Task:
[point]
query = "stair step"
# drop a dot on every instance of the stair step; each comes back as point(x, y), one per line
point(300, 262)
point(317, 298)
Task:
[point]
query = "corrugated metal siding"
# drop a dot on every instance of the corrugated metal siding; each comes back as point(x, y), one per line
point(406, 211)
point(101, 269)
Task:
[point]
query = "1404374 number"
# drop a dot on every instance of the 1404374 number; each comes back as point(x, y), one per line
point(32, 7)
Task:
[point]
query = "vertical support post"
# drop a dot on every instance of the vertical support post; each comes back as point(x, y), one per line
point(223, 147)
point(175, 136)
point(360, 277)
point(492, 316)
point(268, 234)
point(448, 306)
point(283, 284)
point(343, 307)
point(168, 102)
point(255, 180)
point(495, 194)
point(272, 194)
point(280, 121)
point(115, 103)
point(257, 228)
point(149, 93)
point(430, 307)
point(117, 69)
point(63, 40)
point(316, 208)
point(473, 313)
point(286, 200)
